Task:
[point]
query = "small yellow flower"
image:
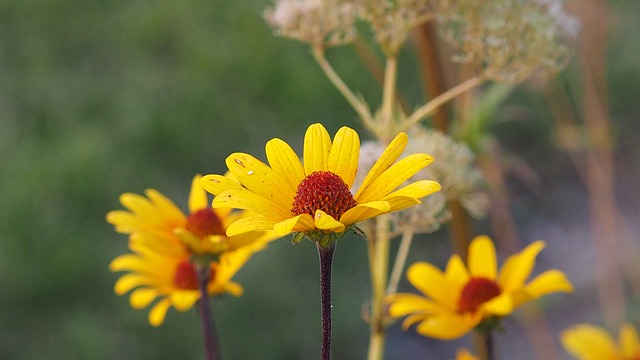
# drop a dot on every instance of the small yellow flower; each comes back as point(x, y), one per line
point(460, 298)
point(314, 195)
point(172, 280)
point(463, 354)
point(588, 342)
point(156, 222)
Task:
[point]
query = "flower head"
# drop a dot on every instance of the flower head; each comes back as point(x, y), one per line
point(172, 279)
point(455, 170)
point(509, 40)
point(461, 298)
point(588, 342)
point(392, 21)
point(319, 23)
point(167, 244)
point(155, 221)
point(314, 196)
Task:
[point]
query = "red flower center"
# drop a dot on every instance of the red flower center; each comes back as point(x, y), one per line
point(476, 292)
point(323, 190)
point(185, 277)
point(204, 222)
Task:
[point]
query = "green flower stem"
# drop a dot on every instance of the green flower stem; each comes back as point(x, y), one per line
point(358, 105)
point(430, 107)
point(402, 255)
point(484, 344)
point(388, 97)
point(379, 267)
point(208, 330)
point(325, 253)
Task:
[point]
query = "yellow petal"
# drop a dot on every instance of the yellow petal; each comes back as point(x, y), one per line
point(124, 221)
point(587, 342)
point(127, 262)
point(303, 222)
point(244, 199)
point(447, 326)
point(393, 177)
point(284, 161)
point(233, 288)
point(629, 341)
point(388, 157)
point(456, 275)
point(251, 238)
point(405, 304)
point(433, 283)
point(165, 244)
point(141, 298)
point(482, 258)
point(197, 196)
point(412, 320)
point(225, 213)
point(158, 312)
point(518, 267)
point(128, 282)
point(500, 305)
point(548, 282)
point(324, 221)
point(365, 211)
point(137, 204)
point(401, 202)
point(344, 155)
point(317, 145)
point(416, 190)
point(260, 179)
point(249, 224)
point(167, 207)
point(183, 300)
point(230, 263)
point(216, 184)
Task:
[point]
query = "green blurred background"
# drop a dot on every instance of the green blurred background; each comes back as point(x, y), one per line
point(103, 97)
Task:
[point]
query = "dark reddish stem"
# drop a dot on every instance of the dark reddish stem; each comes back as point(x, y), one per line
point(325, 254)
point(208, 330)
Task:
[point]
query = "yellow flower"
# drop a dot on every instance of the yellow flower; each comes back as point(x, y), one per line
point(156, 222)
point(314, 196)
point(172, 280)
point(463, 354)
point(459, 299)
point(588, 342)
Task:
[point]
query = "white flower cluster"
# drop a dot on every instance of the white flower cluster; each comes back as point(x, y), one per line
point(453, 168)
point(391, 21)
point(320, 23)
point(508, 40)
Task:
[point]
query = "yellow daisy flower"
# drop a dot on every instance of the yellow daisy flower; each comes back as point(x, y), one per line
point(155, 221)
point(588, 342)
point(460, 298)
point(172, 280)
point(313, 196)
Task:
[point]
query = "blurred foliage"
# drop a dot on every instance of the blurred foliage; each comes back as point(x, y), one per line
point(104, 97)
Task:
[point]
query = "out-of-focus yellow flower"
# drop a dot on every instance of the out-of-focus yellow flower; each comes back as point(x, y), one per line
point(155, 221)
point(172, 280)
point(313, 196)
point(588, 342)
point(167, 243)
point(463, 354)
point(460, 298)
